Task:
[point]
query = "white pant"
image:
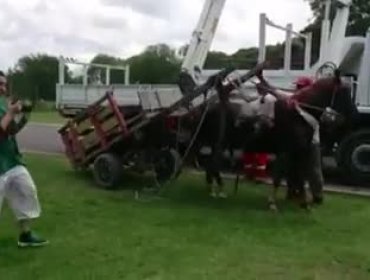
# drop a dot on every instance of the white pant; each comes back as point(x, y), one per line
point(18, 188)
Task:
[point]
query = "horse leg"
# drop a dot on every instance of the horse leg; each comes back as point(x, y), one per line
point(236, 185)
point(273, 196)
point(315, 176)
point(300, 184)
point(303, 198)
point(277, 174)
point(291, 193)
point(220, 184)
point(209, 180)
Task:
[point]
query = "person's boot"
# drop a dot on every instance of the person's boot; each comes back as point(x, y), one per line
point(30, 239)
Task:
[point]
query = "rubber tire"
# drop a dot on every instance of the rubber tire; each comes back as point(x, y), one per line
point(114, 170)
point(166, 165)
point(344, 157)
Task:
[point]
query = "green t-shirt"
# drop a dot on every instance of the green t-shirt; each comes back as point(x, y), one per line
point(9, 151)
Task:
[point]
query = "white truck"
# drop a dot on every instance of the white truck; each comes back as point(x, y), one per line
point(350, 54)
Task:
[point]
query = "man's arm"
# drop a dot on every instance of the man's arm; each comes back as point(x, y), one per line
point(16, 126)
point(8, 117)
point(6, 121)
point(268, 88)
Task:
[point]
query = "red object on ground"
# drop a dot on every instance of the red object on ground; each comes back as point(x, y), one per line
point(255, 165)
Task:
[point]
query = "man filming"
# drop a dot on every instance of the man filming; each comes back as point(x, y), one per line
point(16, 184)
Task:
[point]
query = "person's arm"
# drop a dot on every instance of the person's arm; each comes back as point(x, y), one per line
point(6, 121)
point(8, 117)
point(266, 87)
point(16, 126)
point(263, 82)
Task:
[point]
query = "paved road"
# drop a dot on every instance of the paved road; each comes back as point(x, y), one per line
point(40, 138)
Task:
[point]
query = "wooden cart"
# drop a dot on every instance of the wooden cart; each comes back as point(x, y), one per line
point(106, 138)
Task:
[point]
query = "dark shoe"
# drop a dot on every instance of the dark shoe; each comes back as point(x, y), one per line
point(29, 239)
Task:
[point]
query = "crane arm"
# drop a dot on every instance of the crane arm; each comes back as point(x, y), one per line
point(203, 36)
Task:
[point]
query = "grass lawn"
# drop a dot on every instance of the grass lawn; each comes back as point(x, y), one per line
point(98, 234)
point(47, 117)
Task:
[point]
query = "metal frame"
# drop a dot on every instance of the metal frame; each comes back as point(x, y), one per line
point(202, 36)
point(63, 61)
point(289, 32)
point(364, 77)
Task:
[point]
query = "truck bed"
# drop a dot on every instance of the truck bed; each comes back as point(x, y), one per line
point(150, 97)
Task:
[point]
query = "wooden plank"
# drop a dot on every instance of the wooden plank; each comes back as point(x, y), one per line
point(120, 116)
point(115, 135)
point(76, 146)
point(104, 113)
point(136, 118)
point(84, 127)
point(89, 140)
point(109, 124)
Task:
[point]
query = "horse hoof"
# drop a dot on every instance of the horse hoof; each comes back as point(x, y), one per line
point(222, 195)
point(273, 207)
point(213, 194)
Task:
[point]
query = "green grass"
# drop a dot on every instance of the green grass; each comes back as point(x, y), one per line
point(99, 234)
point(48, 117)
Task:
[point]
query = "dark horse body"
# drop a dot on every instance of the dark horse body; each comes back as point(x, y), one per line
point(291, 135)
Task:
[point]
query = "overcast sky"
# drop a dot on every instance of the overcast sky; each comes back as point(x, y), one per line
point(82, 28)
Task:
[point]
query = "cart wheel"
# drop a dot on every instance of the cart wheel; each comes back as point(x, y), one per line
point(166, 165)
point(107, 170)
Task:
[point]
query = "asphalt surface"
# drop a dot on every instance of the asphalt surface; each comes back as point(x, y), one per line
point(40, 138)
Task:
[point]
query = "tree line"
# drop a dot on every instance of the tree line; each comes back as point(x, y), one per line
point(35, 76)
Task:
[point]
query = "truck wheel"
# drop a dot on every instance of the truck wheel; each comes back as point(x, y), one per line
point(354, 157)
point(166, 165)
point(107, 170)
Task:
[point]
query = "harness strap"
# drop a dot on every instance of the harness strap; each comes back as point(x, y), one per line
point(312, 122)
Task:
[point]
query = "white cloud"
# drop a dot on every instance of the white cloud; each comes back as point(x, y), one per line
point(125, 27)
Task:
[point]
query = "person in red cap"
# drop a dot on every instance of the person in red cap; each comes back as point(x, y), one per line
point(314, 169)
point(303, 82)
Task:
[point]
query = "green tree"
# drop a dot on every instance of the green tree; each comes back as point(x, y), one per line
point(358, 24)
point(359, 19)
point(156, 64)
point(35, 77)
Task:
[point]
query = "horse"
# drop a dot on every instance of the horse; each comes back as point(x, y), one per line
point(291, 134)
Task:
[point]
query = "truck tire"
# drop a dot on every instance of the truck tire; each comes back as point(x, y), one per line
point(353, 157)
point(167, 165)
point(107, 170)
